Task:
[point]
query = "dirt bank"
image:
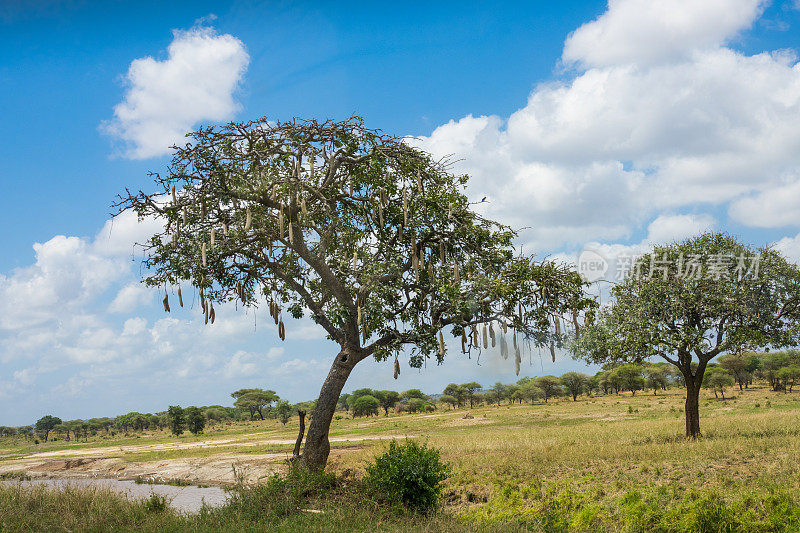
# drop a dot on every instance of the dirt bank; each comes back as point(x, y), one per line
point(213, 469)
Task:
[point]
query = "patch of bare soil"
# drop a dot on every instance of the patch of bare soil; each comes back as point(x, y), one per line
point(467, 421)
point(216, 469)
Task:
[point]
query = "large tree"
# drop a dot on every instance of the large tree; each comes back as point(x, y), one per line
point(691, 301)
point(371, 237)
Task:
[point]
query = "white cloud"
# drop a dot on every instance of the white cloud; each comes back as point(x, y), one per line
point(134, 326)
point(120, 234)
point(775, 207)
point(598, 155)
point(647, 31)
point(669, 228)
point(130, 297)
point(65, 276)
point(248, 364)
point(165, 98)
point(790, 248)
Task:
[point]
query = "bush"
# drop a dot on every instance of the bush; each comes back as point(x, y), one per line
point(411, 473)
point(365, 406)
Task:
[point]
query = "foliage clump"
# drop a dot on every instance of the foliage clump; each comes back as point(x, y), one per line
point(410, 472)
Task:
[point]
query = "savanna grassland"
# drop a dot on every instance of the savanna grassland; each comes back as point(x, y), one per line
point(602, 463)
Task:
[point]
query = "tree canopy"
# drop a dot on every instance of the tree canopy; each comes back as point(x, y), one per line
point(690, 301)
point(372, 238)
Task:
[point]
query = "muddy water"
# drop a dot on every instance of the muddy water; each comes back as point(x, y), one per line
point(187, 499)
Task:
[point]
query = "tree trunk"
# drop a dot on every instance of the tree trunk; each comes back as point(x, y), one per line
point(692, 409)
point(317, 447)
point(302, 417)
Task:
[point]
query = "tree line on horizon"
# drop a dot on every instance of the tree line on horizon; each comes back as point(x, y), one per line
point(779, 369)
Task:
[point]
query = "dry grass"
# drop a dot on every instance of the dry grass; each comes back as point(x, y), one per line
point(615, 463)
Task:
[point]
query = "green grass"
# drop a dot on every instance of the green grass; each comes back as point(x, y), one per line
point(606, 463)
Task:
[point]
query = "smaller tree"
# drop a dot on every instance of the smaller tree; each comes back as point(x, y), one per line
point(789, 376)
point(470, 389)
point(630, 377)
point(195, 420)
point(452, 401)
point(283, 409)
point(736, 364)
point(717, 379)
point(342, 403)
point(46, 424)
point(549, 385)
point(365, 406)
point(414, 393)
point(655, 377)
point(530, 391)
point(592, 385)
point(456, 391)
point(502, 391)
point(490, 397)
point(574, 383)
point(176, 419)
point(254, 400)
point(388, 399)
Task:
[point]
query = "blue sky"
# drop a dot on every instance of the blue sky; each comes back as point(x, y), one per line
point(643, 125)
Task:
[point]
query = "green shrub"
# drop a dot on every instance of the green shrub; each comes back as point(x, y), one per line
point(156, 503)
point(411, 473)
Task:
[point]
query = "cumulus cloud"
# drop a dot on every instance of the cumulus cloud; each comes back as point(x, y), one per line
point(790, 247)
point(626, 139)
point(647, 31)
point(130, 297)
point(775, 207)
point(165, 98)
point(669, 228)
point(65, 276)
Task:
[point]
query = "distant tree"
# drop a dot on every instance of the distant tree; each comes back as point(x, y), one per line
point(414, 393)
point(361, 392)
point(655, 377)
point(604, 381)
point(574, 383)
point(342, 402)
point(176, 419)
point(549, 385)
point(154, 421)
point(789, 376)
point(501, 391)
point(416, 405)
point(456, 391)
point(284, 411)
point(716, 379)
point(452, 401)
point(388, 399)
point(7, 431)
point(490, 397)
point(754, 365)
point(254, 400)
point(630, 377)
point(470, 389)
point(530, 391)
point(195, 420)
point(62, 430)
point(592, 385)
point(736, 364)
point(46, 424)
point(365, 406)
